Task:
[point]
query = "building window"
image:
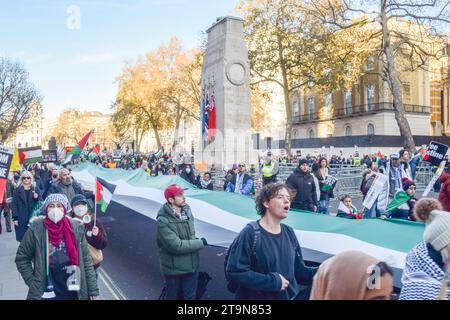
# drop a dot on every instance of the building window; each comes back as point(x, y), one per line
point(370, 97)
point(328, 100)
point(347, 68)
point(370, 63)
point(295, 106)
point(370, 129)
point(311, 108)
point(329, 131)
point(347, 102)
point(446, 51)
point(311, 133)
point(348, 131)
point(407, 92)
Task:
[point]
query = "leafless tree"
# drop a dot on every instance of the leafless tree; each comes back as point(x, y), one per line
point(406, 30)
point(17, 95)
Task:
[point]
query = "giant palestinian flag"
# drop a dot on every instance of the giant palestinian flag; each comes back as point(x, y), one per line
point(78, 149)
point(220, 216)
point(104, 193)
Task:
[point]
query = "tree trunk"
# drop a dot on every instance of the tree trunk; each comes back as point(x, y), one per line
point(395, 86)
point(177, 127)
point(287, 99)
point(4, 136)
point(288, 133)
point(158, 140)
point(138, 146)
point(136, 138)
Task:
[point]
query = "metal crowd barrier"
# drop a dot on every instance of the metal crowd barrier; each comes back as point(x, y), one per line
point(349, 178)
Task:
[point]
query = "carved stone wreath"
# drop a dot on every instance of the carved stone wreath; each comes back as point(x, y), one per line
point(236, 72)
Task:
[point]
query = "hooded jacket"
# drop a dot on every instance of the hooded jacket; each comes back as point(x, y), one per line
point(32, 250)
point(303, 183)
point(246, 186)
point(177, 244)
point(444, 195)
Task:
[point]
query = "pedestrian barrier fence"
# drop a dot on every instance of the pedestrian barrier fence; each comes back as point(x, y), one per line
point(349, 177)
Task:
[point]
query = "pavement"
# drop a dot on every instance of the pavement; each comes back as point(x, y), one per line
point(12, 286)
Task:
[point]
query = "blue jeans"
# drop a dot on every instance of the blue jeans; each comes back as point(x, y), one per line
point(400, 214)
point(368, 212)
point(324, 206)
point(183, 285)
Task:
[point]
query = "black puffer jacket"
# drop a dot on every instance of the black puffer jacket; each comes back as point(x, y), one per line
point(303, 184)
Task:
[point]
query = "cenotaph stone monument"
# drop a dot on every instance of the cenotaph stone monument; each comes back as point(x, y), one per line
point(226, 74)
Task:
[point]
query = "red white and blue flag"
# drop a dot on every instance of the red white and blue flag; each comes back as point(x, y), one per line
point(208, 111)
point(212, 119)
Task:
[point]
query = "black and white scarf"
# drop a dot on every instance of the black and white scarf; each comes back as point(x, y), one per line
point(422, 277)
point(205, 184)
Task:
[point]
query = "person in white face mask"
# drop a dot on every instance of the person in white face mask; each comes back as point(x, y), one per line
point(188, 174)
point(53, 257)
point(95, 235)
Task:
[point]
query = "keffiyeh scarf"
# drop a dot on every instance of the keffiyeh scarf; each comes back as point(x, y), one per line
point(422, 277)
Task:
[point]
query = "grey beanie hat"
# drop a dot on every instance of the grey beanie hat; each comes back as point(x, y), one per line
point(437, 230)
point(57, 197)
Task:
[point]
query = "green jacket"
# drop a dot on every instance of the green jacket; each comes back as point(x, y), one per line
point(178, 247)
point(32, 250)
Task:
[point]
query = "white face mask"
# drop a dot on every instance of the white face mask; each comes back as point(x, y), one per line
point(188, 170)
point(80, 211)
point(55, 214)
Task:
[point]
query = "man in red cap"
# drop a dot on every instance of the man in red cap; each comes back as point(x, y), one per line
point(178, 246)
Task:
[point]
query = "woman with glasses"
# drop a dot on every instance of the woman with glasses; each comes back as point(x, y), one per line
point(24, 200)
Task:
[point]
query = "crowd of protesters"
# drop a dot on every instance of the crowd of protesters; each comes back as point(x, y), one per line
point(311, 179)
point(45, 202)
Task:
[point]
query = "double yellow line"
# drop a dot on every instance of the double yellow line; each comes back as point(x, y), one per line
point(111, 285)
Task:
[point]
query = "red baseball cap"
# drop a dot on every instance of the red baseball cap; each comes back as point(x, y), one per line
point(173, 190)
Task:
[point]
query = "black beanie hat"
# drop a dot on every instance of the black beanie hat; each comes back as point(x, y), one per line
point(302, 161)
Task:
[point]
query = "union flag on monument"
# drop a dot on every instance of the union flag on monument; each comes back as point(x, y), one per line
point(212, 119)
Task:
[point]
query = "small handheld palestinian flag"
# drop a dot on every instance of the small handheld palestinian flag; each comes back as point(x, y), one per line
point(330, 183)
point(400, 198)
point(103, 195)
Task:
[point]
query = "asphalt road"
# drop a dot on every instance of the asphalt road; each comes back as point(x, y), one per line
point(131, 258)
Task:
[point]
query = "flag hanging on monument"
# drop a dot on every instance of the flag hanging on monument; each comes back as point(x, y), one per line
point(202, 112)
point(77, 150)
point(212, 119)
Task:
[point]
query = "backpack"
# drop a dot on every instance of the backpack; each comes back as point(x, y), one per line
point(232, 286)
